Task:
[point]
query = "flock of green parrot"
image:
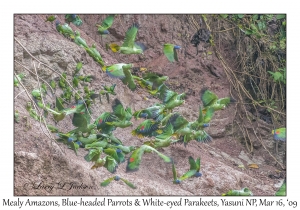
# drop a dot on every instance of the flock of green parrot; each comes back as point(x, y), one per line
point(105, 149)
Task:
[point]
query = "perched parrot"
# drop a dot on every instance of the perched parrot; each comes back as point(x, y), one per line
point(170, 52)
point(53, 84)
point(243, 192)
point(78, 67)
point(89, 140)
point(282, 190)
point(52, 128)
point(120, 124)
point(110, 164)
point(75, 19)
point(210, 99)
point(80, 41)
point(121, 71)
point(146, 128)
point(20, 77)
point(129, 46)
point(106, 23)
point(93, 52)
point(124, 149)
point(65, 29)
point(51, 18)
point(135, 159)
point(106, 91)
point(116, 178)
point(95, 144)
point(279, 135)
point(94, 154)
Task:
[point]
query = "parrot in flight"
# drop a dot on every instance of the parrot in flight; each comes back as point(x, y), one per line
point(210, 99)
point(243, 192)
point(151, 81)
point(203, 119)
point(146, 128)
point(122, 72)
point(119, 110)
point(129, 45)
point(155, 112)
point(75, 19)
point(106, 24)
point(178, 180)
point(135, 159)
point(170, 98)
point(170, 52)
point(116, 178)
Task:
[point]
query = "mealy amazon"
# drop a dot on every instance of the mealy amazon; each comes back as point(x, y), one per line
point(106, 24)
point(135, 159)
point(129, 45)
point(75, 19)
point(116, 178)
point(170, 51)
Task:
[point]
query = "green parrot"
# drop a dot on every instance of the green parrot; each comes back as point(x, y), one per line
point(210, 99)
point(282, 190)
point(201, 136)
point(78, 67)
point(124, 149)
point(243, 192)
point(93, 52)
point(96, 144)
point(106, 91)
point(51, 18)
point(116, 178)
point(129, 46)
point(120, 124)
point(119, 111)
point(75, 19)
point(52, 128)
point(150, 81)
point(195, 165)
point(170, 98)
point(65, 29)
point(94, 154)
point(99, 163)
point(135, 159)
point(80, 41)
point(81, 120)
point(53, 84)
point(117, 154)
point(155, 112)
point(106, 23)
point(17, 116)
point(62, 80)
point(121, 71)
point(110, 137)
point(146, 128)
point(20, 77)
point(110, 164)
point(37, 94)
point(279, 135)
point(89, 140)
point(178, 180)
point(170, 52)
point(178, 122)
point(102, 120)
point(203, 119)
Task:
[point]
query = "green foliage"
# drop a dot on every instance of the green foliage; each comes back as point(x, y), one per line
point(279, 76)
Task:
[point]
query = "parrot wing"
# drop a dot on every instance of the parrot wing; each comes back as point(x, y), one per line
point(169, 52)
point(130, 36)
point(107, 181)
point(208, 98)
